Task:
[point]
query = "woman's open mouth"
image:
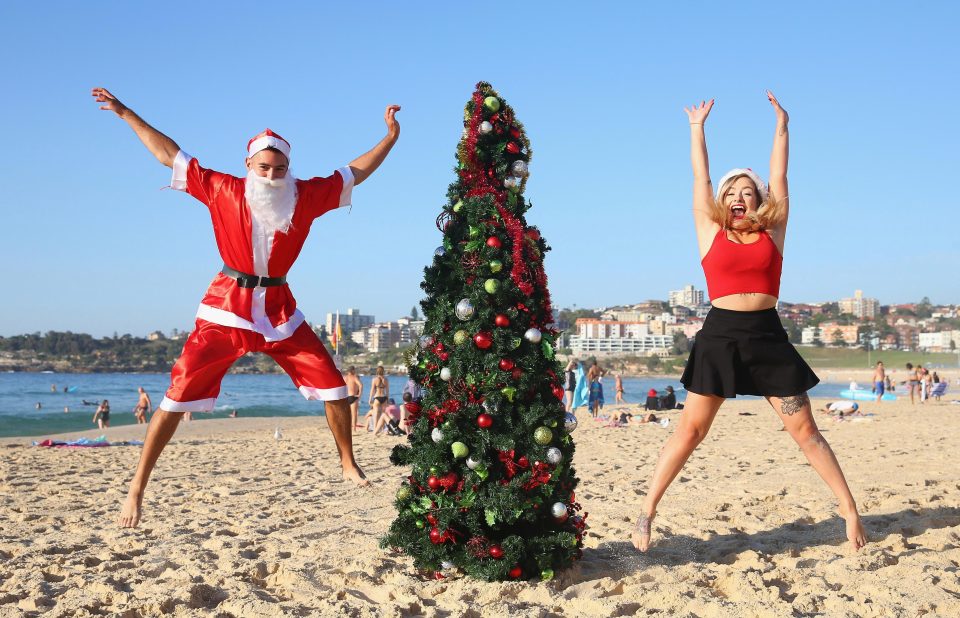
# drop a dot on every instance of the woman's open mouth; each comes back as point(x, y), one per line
point(738, 211)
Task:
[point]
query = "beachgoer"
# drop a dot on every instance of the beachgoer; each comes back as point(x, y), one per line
point(379, 392)
point(653, 400)
point(233, 413)
point(879, 380)
point(887, 383)
point(390, 420)
point(913, 383)
point(143, 406)
point(594, 375)
point(38, 405)
point(618, 387)
point(742, 347)
point(53, 388)
point(926, 384)
point(66, 409)
point(842, 408)
point(260, 223)
point(570, 382)
point(414, 390)
point(668, 401)
point(936, 378)
point(102, 416)
point(354, 391)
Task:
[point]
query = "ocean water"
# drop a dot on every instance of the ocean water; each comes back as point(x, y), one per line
point(249, 395)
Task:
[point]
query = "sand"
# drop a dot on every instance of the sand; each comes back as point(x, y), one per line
point(238, 524)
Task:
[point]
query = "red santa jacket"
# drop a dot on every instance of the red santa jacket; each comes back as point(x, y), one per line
point(244, 246)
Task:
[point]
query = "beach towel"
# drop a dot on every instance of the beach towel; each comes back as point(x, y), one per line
point(582, 392)
point(87, 443)
point(596, 394)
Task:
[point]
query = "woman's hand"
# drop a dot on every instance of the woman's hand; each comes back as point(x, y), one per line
point(782, 116)
point(698, 113)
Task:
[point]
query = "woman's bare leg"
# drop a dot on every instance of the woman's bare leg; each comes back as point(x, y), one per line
point(797, 417)
point(695, 420)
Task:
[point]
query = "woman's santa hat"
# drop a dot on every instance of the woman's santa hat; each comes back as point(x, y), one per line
point(268, 139)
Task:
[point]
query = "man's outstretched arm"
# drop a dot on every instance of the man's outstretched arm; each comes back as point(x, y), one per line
point(162, 147)
point(367, 163)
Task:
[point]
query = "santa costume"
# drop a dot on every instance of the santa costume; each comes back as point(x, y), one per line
point(248, 306)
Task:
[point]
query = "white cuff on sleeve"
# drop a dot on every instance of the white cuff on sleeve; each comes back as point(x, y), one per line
point(180, 164)
point(347, 193)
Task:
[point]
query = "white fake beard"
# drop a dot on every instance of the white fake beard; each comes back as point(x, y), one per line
point(271, 202)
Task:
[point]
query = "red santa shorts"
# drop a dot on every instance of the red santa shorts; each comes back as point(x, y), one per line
point(212, 348)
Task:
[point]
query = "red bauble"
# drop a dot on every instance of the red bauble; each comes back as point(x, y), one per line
point(439, 347)
point(494, 242)
point(557, 392)
point(484, 421)
point(496, 552)
point(515, 573)
point(435, 536)
point(533, 233)
point(517, 372)
point(483, 340)
point(501, 320)
point(431, 519)
point(515, 132)
point(495, 118)
point(452, 479)
point(433, 483)
point(443, 355)
point(512, 148)
point(523, 462)
point(506, 364)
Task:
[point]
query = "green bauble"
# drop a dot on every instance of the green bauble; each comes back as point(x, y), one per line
point(496, 266)
point(482, 473)
point(552, 423)
point(460, 450)
point(509, 392)
point(542, 436)
point(404, 492)
point(434, 470)
point(458, 206)
point(491, 286)
point(461, 337)
point(420, 524)
point(492, 103)
point(546, 574)
point(516, 342)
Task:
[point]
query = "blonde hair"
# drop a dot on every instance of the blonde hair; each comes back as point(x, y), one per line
point(771, 213)
point(380, 370)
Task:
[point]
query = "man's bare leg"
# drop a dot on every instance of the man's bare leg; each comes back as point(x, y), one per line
point(797, 417)
point(355, 414)
point(339, 421)
point(162, 426)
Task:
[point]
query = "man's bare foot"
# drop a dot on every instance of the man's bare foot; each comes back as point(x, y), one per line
point(855, 532)
point(355, 474)
point(641, 532)
point(130, 511)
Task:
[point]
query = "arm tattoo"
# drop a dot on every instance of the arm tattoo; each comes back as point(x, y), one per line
point(792, 405)
point(783, 130)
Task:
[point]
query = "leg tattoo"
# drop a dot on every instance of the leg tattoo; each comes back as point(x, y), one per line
point(792, 405)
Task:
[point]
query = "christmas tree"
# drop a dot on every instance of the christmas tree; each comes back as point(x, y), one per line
point(491, 488)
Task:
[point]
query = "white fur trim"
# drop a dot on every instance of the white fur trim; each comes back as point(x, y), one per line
point(268, 141)
point(180, 164)
point(346, 194)
point(269, 332)
point(744, 171)
point(200, 405)
point(323, 394)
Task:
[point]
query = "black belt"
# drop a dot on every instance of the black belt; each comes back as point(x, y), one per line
point(252, 281)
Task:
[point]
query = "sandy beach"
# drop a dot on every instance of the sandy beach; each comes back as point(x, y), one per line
point(239, 524)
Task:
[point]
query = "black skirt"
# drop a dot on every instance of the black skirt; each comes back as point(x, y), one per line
point(745, 353)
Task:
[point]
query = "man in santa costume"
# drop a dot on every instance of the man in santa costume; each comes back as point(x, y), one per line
point(260, 223)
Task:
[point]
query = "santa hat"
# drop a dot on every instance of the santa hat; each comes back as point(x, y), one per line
point(268, 139)
point(752, 175)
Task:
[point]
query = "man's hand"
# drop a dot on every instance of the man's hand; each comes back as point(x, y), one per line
point(390, 117)
point(112, 103)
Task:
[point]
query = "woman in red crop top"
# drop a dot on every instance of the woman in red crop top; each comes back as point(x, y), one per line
point(742, 347)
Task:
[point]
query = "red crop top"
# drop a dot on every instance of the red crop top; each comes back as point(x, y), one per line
point(734, 268)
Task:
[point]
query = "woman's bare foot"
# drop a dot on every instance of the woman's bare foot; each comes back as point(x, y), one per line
point(641, 532)
point(355, 474)
point(855, 532)
point(130, 511)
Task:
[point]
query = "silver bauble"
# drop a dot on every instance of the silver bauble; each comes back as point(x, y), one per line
point(445, 374)
point(436, 435)
point(533, 335)
point(519, 168)
point(570, 422)
point(446, 565)
point(440, 251)
point(509, 182)
point(472, 463)
point(554, 455)
point(559, 511)
point(489, 407)
point(485, 127)
point(426, 341)
point(465, 309)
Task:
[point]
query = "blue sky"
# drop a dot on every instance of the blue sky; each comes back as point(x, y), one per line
point(93, 244)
